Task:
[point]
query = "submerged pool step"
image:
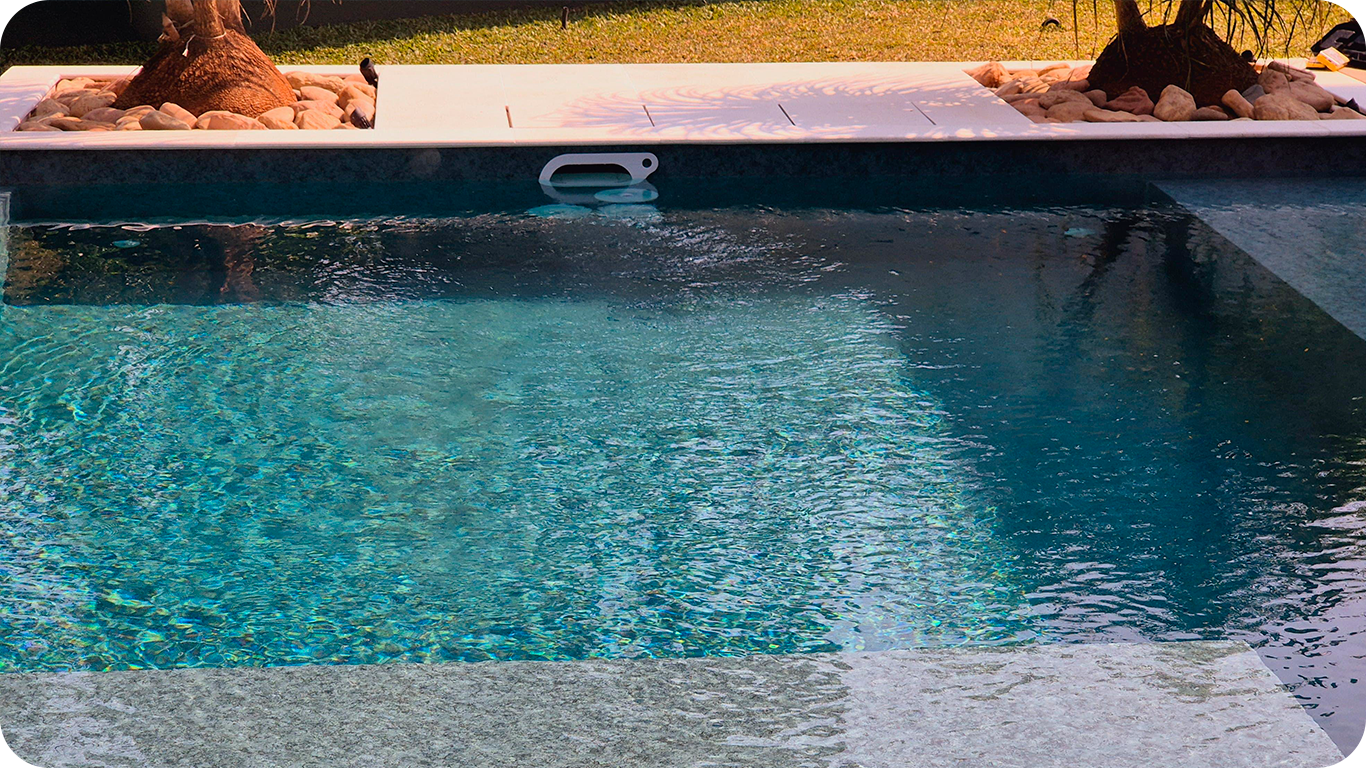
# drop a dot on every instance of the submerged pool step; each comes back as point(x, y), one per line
point(1190, 704)
point(1307, 232)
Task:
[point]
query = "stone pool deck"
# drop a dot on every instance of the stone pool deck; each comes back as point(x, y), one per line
point(702, 120)
point(1192, 704)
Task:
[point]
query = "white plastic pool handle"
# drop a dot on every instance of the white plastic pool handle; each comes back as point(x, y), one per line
point(638, 164)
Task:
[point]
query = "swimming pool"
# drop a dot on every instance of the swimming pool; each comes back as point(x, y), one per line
point(639, 431)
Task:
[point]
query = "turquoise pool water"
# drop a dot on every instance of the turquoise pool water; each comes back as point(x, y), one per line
point(656, 432)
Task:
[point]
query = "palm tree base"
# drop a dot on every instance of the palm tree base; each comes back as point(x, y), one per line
point(1193, 57)
point(227, 72)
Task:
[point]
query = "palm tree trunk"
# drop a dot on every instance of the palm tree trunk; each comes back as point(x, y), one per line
point(207, 22)
point(206, 62)
point(1184, 53)
point(1192, 12)
point(1128, 16)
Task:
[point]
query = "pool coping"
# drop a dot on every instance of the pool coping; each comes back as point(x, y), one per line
point(592, 105)
point(924, 124)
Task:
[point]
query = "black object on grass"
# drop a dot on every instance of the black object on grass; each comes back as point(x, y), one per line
point(1347, 37)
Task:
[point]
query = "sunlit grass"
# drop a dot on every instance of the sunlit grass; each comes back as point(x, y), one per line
point(738, 30)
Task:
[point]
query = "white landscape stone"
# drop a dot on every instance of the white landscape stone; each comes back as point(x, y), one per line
point(1176, 105)
point(36, 125)
point(1054, 98)
point(313, 120)
point(1272, 80)
point(160, 121)
point(1210, 114)
point(991, 74)
point(104, 114)
point(1282, 106)
point(1235, 101)
point(86, 104)
point(280, 119)
point(1070, 111)
point(316, 93)
point(219, 120)
point(360, 112)
point(1311, 94)
point(297, 80)
point(179, 112)
point(89, 103)
point(49, 107)
point(1344, 113)
point(1099, 115)
point(353, 90)
point(326, 107)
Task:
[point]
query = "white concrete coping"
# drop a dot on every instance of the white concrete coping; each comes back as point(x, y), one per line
point(606, 104)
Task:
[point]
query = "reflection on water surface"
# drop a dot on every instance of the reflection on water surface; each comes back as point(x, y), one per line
point(674, 433)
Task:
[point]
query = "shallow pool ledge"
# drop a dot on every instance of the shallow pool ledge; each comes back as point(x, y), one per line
point(1190, 704)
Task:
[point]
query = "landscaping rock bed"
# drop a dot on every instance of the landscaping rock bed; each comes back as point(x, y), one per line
point(322, 103)
point(1060, 93)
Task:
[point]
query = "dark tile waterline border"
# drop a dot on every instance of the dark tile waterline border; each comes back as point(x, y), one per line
point(1194, 704)
point(269, 204)
point(109, 184)
point(1185, 158)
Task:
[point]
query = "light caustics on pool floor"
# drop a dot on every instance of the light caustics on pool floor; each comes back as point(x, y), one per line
point(435, 480)
point(693, 433)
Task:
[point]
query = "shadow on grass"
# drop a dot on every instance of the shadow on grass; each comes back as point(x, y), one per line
point(304, 38)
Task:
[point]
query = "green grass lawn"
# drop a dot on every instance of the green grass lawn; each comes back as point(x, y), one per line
point(736, 30)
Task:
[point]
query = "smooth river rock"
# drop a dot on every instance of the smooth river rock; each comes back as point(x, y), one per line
point(49, 107)
point(179, 112)
point(326, 107)
point(279, 119)
point(1343, 113)
point(1282, 106)
point(220, 120)
point(36, 126)
point(1054, 98)
point(160, 121)
point(1311, 94)
point(991, 74)
point(316, 93)
point(1070, 111)
point(315, 120)
point(1235, 101)
point(1097, 115)
point(89, 103)
point(1210, 114)
point(1176, 105)
point(1135, 101)
point(104, 114)
point(360, 112)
